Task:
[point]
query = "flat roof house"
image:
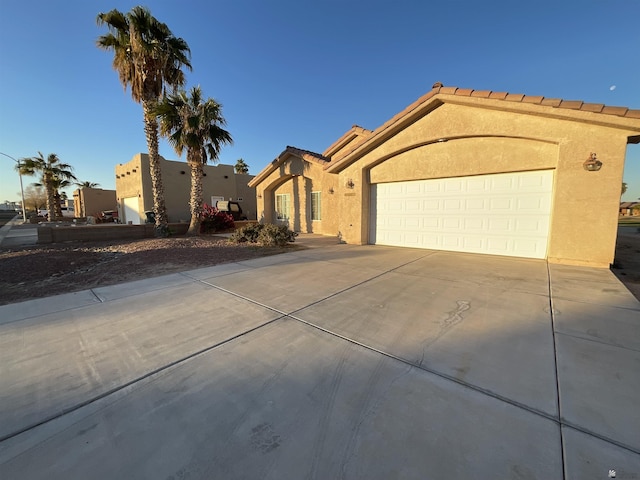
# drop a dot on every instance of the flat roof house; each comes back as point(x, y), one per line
point(220, 182)
point(468, 171)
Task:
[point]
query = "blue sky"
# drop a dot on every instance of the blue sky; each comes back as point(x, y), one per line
point(300, 72)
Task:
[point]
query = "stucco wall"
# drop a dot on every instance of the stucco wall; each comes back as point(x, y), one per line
point(133, 179)
point(481, 141)
point(92, 201)
point(299, 178)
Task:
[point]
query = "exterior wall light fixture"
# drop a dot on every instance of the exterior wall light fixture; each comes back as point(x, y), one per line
point(350, 184)
point(592, 164)
point(331, 190)
point(259, 195)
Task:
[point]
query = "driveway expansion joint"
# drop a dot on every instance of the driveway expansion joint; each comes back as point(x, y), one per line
point(556, 374)
point(597, 340)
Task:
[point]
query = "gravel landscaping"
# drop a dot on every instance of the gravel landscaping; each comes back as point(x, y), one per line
point(44, 270)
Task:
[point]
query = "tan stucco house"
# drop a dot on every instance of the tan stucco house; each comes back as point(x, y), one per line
point(92, 201)
point(469, 171)
point(134, 192)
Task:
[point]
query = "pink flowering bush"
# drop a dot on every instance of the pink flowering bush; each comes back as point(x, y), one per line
point(213, 220)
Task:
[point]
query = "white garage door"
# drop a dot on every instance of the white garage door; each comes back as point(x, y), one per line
point(502, 214)
point(131, 210)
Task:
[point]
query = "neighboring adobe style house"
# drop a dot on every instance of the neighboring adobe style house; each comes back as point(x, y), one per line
point(92, 201)
point(467, 171)
point(135, 196)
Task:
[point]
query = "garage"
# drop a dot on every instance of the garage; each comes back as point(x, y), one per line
point(499, 214)
point(130, 207)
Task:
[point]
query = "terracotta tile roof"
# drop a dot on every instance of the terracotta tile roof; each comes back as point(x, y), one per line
point(299, 152)
point(538, 100)
point(355, 135)
point(306, 154)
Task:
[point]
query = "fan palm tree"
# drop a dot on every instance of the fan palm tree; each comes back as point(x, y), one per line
point(86, 184)
point(53, 175)
point(195, 124)
point(58, 196)
point(241, 166)
point(148, 58)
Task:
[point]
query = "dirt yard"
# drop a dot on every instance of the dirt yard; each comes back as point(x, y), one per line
point(44, 270)
point(627, 263)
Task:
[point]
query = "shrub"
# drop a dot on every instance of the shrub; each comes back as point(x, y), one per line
point(213, 220)
point(248, 233)
point(268, 235)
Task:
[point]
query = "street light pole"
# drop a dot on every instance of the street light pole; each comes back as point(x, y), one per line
point(24, 212)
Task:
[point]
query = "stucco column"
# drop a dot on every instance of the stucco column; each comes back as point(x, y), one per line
point(354, 206)
point(585, 212)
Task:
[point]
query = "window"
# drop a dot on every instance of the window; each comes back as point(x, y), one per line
point(282, 206)
point(316, 206)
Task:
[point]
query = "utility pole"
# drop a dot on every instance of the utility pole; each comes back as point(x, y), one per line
point(24, 212)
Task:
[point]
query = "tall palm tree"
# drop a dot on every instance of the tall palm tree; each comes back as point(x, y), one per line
point(241, 166)
point(195, 124)
point(86, 184)
point(148, 58)
point(53, 175)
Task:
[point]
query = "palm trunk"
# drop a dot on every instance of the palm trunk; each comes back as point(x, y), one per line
point(195, 200)
point(51, 200)
point(58, 201)
point(155, 170)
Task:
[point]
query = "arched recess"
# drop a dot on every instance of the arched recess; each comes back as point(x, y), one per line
point(292, 170)
point(464, 156)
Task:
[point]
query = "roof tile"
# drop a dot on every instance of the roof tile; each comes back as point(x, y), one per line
point(592, 107)
point(306, 153)
point(551, 102)
point(499, 95)
point(449, 90)
point(621, 111)
point(481, 93)
point(464, 92)
point(514, 97)
point(532, 99)
point(573, 104)
point(633, 114)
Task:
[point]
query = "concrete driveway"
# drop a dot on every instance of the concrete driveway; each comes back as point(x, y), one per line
point(337, 361)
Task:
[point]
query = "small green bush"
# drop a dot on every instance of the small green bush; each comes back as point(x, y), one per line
point(268, 235)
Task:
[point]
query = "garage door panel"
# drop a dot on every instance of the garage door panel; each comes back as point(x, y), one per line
point(476, 203)
point(503, 214)
point(500, 204)
point(452, 205)
point(475, 224)
point(433, 187)
point(431, 205)
point(534, 226)
point(476, 184)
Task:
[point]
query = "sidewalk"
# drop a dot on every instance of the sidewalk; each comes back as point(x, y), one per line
point(15, 233)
